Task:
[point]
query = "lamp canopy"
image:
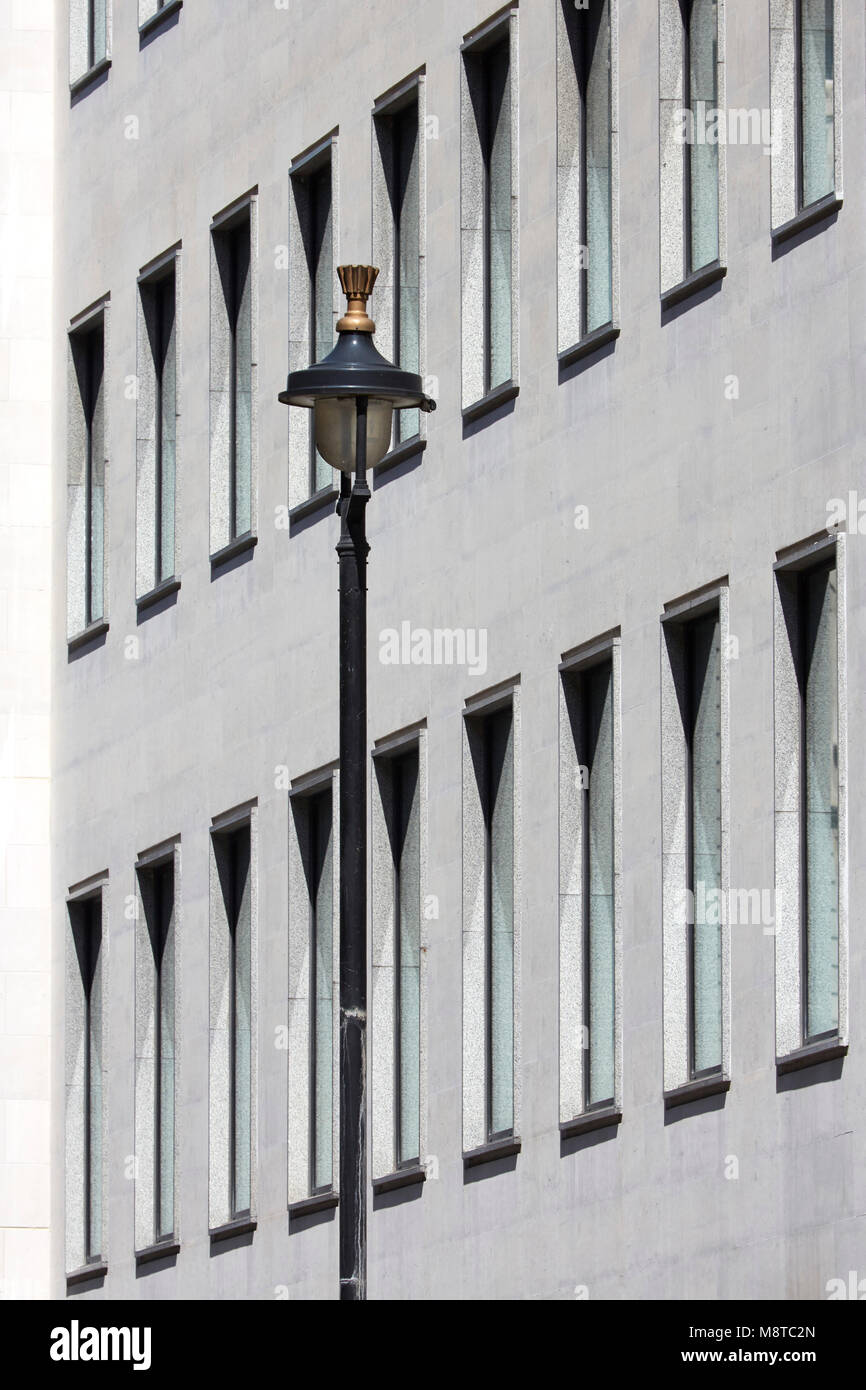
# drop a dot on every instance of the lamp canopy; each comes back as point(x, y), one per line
point(355, 367)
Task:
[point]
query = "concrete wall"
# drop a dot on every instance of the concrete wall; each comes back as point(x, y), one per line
point(26, 190)
point(685, 482)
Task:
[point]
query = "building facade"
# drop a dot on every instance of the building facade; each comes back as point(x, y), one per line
point(26, 333)
point(616, 590)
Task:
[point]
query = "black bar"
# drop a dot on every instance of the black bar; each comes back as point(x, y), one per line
point(829, 1331)
point(352, 551)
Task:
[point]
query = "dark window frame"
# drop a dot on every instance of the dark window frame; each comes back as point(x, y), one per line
point(318, 809)
point(315, 178)
point(500, 45)
point(86, 922)
point(584, 19)
point(485, 725)
point(91, 33)
point(686, 8)
point(399, 117)
point(479, 56)
point(233, 235)
point(799, 138)
point(826, 565)
point(689, 267)
point(692, 700)
point(309, 173)
point(157, 874)
point(239, 244)
point(396, 763)
point(584, 679)
point(94, 945)
point(233, 841)
point(162, 288)
point(88, 349)
point(799, 152)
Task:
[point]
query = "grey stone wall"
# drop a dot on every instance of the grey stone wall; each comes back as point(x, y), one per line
point(703, 443)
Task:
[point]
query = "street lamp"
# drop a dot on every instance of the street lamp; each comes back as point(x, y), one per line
point(353, 393)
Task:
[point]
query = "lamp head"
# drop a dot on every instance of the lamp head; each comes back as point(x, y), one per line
point(353, 369)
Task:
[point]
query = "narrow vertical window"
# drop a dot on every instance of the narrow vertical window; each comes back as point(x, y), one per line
point(240, 998)
point(166, 424)
point(156, 1068)
point(313, 301)
point(496, 160)
point(488, 210)
point(590, 1071)
point(499, 899)
point(819, 800)
point(96, 31)
point(313, 971)
point(399, 236)
point(233, 863)
point(232, 1013)
point(398, 975)
point(86, 922)
point(586, 156)
point(701, 156)
point(698, 905)
point(157, 442)
point(704, 843)
point(232, 379)
point(405, 834)
point(490, 927)
point(404, 191)
point(596, 697)
point(88, 38)
point(320, 260)
point(321, 890)
point(693, 136)
point(595, 177)
point(313, 279)
point(813, 42)
point(238, 301)
point(88, 355)
point(811, 806)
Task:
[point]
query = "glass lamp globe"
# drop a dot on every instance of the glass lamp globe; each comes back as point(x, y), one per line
point(335, 424)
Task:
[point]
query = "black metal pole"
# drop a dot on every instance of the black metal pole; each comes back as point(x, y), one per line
point(352, 551)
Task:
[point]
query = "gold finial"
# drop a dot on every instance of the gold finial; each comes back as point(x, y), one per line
point(357, 282)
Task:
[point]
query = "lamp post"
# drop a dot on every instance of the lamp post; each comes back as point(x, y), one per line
point(353, 393)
